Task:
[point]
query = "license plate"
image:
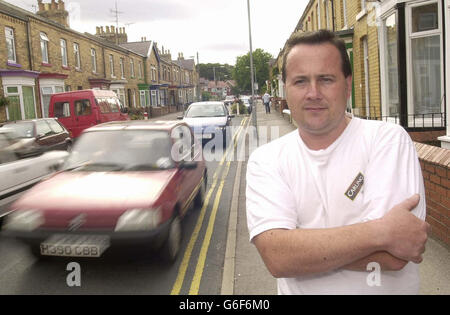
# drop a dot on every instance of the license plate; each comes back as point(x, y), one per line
point(75, 245)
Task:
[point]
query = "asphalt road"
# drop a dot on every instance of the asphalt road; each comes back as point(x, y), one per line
point(197, 270)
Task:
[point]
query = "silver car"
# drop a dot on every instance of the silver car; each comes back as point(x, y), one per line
point(209, 120)
point(18, 174)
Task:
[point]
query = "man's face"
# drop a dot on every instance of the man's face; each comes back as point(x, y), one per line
point(316, 88)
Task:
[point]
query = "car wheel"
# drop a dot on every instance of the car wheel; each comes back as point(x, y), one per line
point(200, 197)
point(173, 242)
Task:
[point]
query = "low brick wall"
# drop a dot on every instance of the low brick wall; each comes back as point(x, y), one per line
point(159, 111)
point(435, 163)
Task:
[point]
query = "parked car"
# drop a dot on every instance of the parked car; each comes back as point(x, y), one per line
point(121, 185)
point(229, 100)
point(208, 120)
point(36, 136)
point(246, 100)
point(78, 110)
point(18, 174)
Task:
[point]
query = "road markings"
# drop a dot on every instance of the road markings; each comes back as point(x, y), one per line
point(187, 255)
point(195, 285)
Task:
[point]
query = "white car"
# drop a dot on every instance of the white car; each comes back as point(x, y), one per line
point(18, 174)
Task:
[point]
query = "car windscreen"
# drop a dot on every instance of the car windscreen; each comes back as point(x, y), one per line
point(21, 129)
point(206, 110)
point(121, 150)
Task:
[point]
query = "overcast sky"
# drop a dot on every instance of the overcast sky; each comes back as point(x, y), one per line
point(216, 29)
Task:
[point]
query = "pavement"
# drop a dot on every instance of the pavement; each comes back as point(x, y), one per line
point(250, 274)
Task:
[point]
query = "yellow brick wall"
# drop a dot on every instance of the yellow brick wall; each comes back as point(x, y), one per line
point(361, 30)
point(21, 42)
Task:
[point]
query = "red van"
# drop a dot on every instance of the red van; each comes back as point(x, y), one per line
point(78, 110)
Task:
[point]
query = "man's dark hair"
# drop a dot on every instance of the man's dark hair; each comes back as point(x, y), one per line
point(316, 38)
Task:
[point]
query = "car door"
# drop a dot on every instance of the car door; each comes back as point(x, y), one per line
point(183, 152)
point(84, 116)
point(65, 114)
point(60, 136)
point(45, 136)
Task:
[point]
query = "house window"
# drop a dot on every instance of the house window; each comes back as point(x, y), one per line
point(122, 70)
point(344, 12)
point(132, 67)
point(391, 65)
point(154, 100)
point(10, 44)
point(21, 102)
point(140, 69)
point(44, 47)
point(111, 65)
point(366, 76)
point(94, 60)
point(425, 81)
point(76, 52)
point(153, 69)
point(63, 45)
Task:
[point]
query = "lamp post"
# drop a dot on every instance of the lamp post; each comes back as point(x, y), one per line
point(251, 72)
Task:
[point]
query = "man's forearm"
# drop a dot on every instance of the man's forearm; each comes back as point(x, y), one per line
point(292, 253)
point(386, 261)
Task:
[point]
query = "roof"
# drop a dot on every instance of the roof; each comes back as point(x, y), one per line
point(142, 48)
point(186, 63)
point(24, 15)
point(163, 125)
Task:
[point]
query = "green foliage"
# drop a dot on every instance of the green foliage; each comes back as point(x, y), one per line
point(206, 96)
point(242, 74)
point(136, 113)
point(4, 101)
point(223, 72)
point(242, 108)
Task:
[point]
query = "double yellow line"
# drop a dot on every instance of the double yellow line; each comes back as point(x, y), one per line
point(195, 285)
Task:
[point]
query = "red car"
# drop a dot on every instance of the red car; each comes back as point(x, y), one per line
point(123, 183)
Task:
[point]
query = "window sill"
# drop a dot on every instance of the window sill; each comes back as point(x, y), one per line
point(361, 14)
point(13, 64)
point(44, 64)
point(65, 67)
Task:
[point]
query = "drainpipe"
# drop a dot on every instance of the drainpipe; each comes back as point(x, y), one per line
point(332, 14)
point(30, 48)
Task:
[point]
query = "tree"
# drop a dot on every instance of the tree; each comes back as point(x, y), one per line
point(242, 74)
point(223, 72)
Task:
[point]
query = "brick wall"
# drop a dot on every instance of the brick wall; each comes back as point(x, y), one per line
point(435, 163)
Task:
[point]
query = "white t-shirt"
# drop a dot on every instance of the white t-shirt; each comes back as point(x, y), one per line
point(370, 168)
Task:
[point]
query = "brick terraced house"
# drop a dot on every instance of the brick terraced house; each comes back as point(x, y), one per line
point(40, 55)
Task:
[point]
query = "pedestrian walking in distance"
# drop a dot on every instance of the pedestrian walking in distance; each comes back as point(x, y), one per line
point(338, 205)
point(266, 101)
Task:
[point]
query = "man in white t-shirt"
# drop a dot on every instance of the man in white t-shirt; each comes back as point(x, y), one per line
point(337, 206)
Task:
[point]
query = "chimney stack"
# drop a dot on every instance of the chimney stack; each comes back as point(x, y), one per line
point(54, 11)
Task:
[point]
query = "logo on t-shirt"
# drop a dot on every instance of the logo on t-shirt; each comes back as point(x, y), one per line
point(355, 187)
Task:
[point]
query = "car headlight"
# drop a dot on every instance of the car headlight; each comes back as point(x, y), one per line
point(138, 220)
point(24, 220)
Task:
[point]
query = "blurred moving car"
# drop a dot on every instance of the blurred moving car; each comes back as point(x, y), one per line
point(124, 183)
point(36, 136)
point(209, 120)
point(17, 173)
